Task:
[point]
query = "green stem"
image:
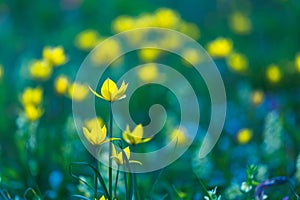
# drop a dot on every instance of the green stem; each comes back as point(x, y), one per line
point(110, 148)
point(96, 178)
point(116, 183)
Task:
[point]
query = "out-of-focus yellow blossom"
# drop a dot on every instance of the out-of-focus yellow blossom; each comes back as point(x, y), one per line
point(123, 23)
point(1, 72)
point(220, 47)
point(107, 52)
point(237, 62)
point(136, 136)
point(32, 96)
point(97, 121)
point(32, 112)
point(110, 92)
point(257, 97)
point(190, 29)
point(149, 54)
point(297, 62)
point(77, 91)
point(54, 55)
point(145, 20)
point(40, 70)
point(61, 84)
point(118, 157)
point(191, 56)
point(244, 136)
point(179, 136)
point(148, 73)
point(166, 18)
point(169, 41)
point(87, 39)
point(97, 135)
point(273, 73)
point(240, 23)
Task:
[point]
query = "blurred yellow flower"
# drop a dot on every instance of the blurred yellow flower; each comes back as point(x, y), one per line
point(123, 23)
point(240, 23)
point(148, 72)
point(237, 62)
point(166, 18)
point(32, 112)
point(145, 20)
point(191, 57)
point(190, 29)
point(61, 84)
point(110, 92)
point(97, 121)
point(77, 91)
point(1, 72)
point(54, 55)
point(136, 136)
point(220, 47)
point(273, 73)
point(257, 97)
point(297, 62)
point(179, 136)
point(32, 96)
point(118, 157)
point(40, 70)
point(96, 135)
point(87, 39)
point(244, 135)
point(149, 54)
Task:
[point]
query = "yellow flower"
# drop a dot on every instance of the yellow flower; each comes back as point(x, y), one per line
point(118, 157)
point(102, 198)
point(179, 136)
point(237, 62)
point(110, 92)
point(257, 97)
point(297, 62)
point(220, 47)
point(87, 40)
point(54, 55)
point(77, 91)
point(240, 23)
point(89, 124)
point(32, 96)
point(123, 23)
point(244, 136)
point(61, 84)
point(1, 72)
point(96, 135)
point(190, 29)
point(148, 54)
point(32, 112)
point(136, 136)
point(40, 70)
point(191, 57)
point(166, 18)
point(273, 73)
point(148, 73)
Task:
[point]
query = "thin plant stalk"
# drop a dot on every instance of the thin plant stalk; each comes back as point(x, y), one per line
point(116, 183)
point(110, 149)
point(96, 178)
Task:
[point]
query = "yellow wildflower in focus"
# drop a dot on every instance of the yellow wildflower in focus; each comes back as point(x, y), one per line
point(123, 23)
point(61, 85)
point(40, 70)
point(1, 72)
point(102, 198)
point(87, 40)
point(149, 54)
point(190, 29)
point(97, 121)
point(240, 23)
point(107, 52)
point(136, 136)
point(191, 57)
point(77, 91)
point(220, 47)
point(110, 92)
point(273, 74)
point(148, 72)
point(96, 135)
point(257, 97)
point(32, 112)
point(297, 62)
point(32, 96)
point(244, 136)
point(54, 55)
point(179, 136)
point(166, 18)
point(118, 157)
point(237, 62)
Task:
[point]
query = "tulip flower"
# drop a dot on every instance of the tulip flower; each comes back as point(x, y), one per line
point(118, 157)
point(136, 136)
